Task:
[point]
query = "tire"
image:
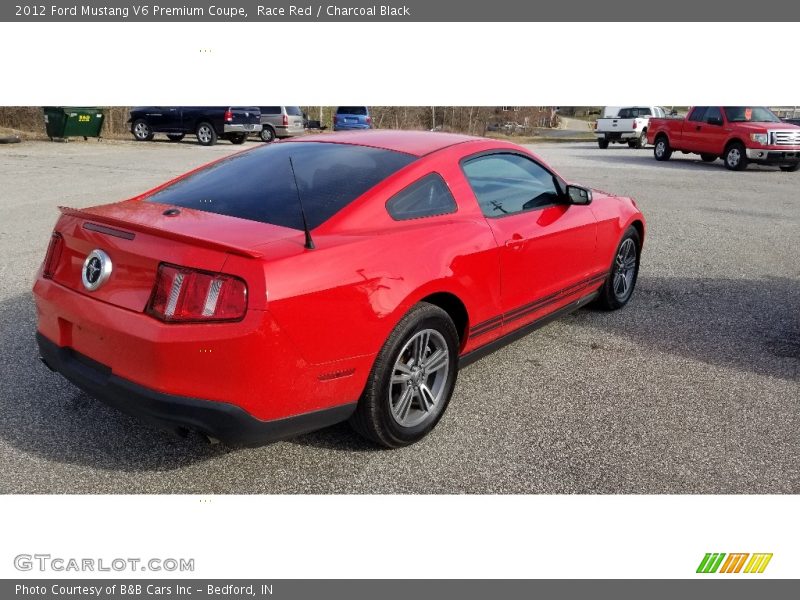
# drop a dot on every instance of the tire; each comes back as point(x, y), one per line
point(393, 413)
point(142, 131)
point(267, 134)
point(175, 137)
point(602, 143)
point(206, 136)
point(661, 149)
point(633, 144)
point(708, 157)
point(735, 157)
point(641, 141)
point(790, 168)
point(618, 287)
point(239, 138)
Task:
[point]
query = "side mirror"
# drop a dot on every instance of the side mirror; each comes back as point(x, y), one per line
point(714, 121)
point(579, 195)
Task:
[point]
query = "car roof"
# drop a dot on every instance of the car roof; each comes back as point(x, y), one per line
point(417, 143)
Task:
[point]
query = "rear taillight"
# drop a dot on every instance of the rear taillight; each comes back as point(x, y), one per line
point(285, 120)
point(335, 119)
point(369, 120)
point(189, 295)
point(53, 255)
point(228, 115)
point(633, 124)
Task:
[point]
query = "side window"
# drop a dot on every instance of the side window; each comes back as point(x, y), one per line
point(698, 114)
point(427, 197)
point(505, 184)
point(713, 112)
point(270, 110)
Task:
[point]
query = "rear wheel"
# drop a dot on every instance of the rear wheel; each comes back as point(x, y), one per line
point(790, 168)
point(411, 381)
point(175, 137)
point(736, 157)
point(238, 138)
point(618, 288)
point(206, 135)
point(641, 141)
point(267, 134)
point(603, 143)
point(708, 157)
point(142, 131)
point(661, 150)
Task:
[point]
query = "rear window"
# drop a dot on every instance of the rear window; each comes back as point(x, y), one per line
point(294, 111)
point(352, 110)
point(258, 185)
point(633, 112)
point(270, 110)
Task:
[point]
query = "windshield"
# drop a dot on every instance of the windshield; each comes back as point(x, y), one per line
point(744, 114)
point(258, 185)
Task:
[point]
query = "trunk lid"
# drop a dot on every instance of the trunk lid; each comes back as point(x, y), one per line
point(137, 236)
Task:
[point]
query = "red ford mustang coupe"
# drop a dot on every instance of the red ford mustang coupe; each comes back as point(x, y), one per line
point(327, 278)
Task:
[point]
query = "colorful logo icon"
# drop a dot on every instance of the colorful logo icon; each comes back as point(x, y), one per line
point(734, 562)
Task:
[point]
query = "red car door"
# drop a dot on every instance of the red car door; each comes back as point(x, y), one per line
point(546, 245)
point(713, 133)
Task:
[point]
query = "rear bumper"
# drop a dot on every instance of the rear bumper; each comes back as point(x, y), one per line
point(769, 156)
point(348, 126)
point(612, 136)
point(242, 127)
point(284, 132)
point(223, 421)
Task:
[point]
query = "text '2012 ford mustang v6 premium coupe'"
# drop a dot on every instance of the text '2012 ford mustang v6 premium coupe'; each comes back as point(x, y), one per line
point(327, 278)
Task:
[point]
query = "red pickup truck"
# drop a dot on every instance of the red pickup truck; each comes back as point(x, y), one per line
point(739, 135)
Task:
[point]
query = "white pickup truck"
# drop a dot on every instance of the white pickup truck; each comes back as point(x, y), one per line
point(629, 124)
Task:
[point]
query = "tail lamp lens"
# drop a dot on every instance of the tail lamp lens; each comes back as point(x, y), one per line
point(53, 255)
point(369, 120)
point(228, 115)
point(285, 119)
point(182, 295)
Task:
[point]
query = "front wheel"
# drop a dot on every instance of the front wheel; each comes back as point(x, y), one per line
point(618, 288)
point(641, 141)
point(790, 168)
point(411, 381)
point(239, 138)
point(142, 131)
point(661, 150)
point(206, 135)
point(736, 157)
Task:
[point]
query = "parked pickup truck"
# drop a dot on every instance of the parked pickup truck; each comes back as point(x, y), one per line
point(208, 123)
point(629, 126)
point(737, 134)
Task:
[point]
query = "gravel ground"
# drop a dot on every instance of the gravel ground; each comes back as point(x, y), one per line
point(693, 388)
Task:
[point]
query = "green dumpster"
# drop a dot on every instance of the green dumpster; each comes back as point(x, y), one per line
point(68, 121)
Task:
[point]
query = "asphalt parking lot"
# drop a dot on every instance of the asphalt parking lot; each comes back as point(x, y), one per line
point(692, 388)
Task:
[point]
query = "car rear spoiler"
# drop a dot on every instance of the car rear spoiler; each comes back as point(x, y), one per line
point(163, 233)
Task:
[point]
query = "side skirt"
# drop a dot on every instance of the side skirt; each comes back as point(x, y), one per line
point(477, 354)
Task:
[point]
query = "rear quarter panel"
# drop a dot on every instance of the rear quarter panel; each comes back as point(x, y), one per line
point(344, 298)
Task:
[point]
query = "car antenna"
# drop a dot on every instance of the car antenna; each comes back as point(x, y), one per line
point(309, 242)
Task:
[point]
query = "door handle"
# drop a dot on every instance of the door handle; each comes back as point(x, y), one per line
point(516, 242)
